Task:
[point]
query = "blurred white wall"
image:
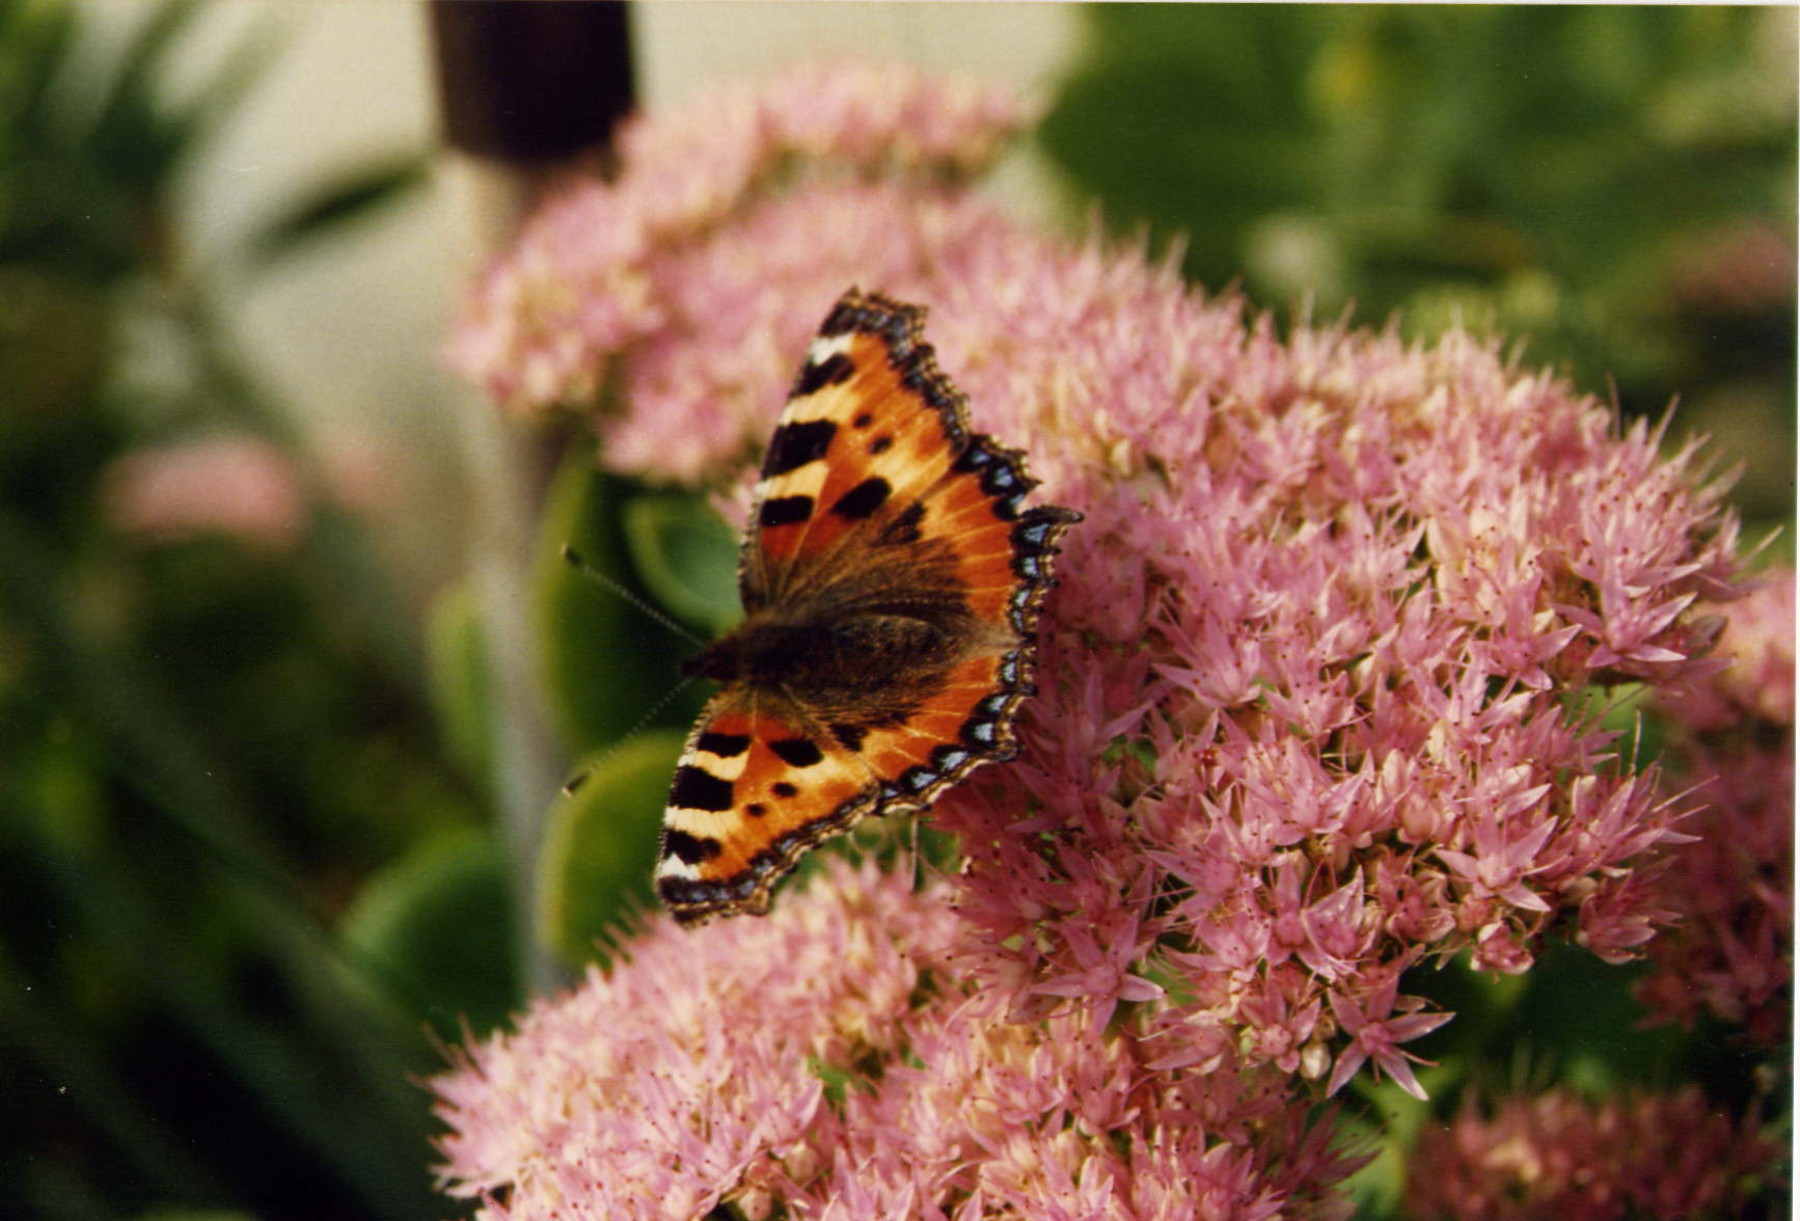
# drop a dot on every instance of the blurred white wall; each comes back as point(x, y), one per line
point(684, 43)
point(349, 330)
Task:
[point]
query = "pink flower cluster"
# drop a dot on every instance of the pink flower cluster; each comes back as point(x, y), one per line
point(1314, 712)
point(1732, 954)
point(598, 271)
point(1667, 1157)
point(241, 486)
point(829, 1060)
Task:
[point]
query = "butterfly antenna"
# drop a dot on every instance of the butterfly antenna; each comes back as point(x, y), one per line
point(574, 782)
point(579, 564)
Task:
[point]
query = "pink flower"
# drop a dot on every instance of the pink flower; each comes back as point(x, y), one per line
point(1668, 1156)
point(698, 1070)
point(1754, 677)
point(1377, 1025)
point(234, 485)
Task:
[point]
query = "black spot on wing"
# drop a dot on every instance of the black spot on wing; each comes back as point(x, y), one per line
point(689, 849)
point(785, 510)
point(797, 443)
point(831, 371)
point(695, 788)
point(862, 500)
point(850, 736)
point(782, 788)
point(724, 745)
point(796, 752)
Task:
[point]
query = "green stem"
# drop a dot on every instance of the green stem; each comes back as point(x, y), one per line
point(528, 766)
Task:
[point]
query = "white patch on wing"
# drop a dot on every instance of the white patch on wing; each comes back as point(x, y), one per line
point(717, 766)
point(824, 347)
point(675, 867)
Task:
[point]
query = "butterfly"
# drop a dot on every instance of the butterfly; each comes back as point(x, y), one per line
point(891, 586)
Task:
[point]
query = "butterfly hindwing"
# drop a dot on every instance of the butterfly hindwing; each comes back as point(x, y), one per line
point(751, 793)
point(891, 587)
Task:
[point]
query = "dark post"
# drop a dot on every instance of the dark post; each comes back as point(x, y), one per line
point(531, 81)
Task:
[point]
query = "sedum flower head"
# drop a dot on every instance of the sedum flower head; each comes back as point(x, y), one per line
point(1313, 712)
point(828, 1059)
point(1664, 1156)
point(235, 485)
point(587, 279)
point(1731, 955)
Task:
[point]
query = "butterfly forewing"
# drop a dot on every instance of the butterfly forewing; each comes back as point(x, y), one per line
point(871, 427)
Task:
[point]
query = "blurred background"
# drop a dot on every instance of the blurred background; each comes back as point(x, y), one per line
point(256, 553)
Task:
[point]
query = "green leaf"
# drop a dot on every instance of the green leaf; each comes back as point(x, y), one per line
point(56, 338)
point(460, 679)
point(688, 557)
point(1397, 156)
point(214, 102)
point(600, 843)
point(130, 135)
point(35, 38)
point(438, 924)
point(606, 663)
point(351, 196)
point(137, 138)
point(141, 60)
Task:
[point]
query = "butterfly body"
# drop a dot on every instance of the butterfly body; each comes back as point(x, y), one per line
point(836, 667)
point(891, 584)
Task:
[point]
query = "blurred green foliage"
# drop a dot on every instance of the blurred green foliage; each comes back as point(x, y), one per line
point(255, 881)
point(605, 662)
point(600, 653)
point(1613, 185)
point(244, 875)
point(600, 846)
